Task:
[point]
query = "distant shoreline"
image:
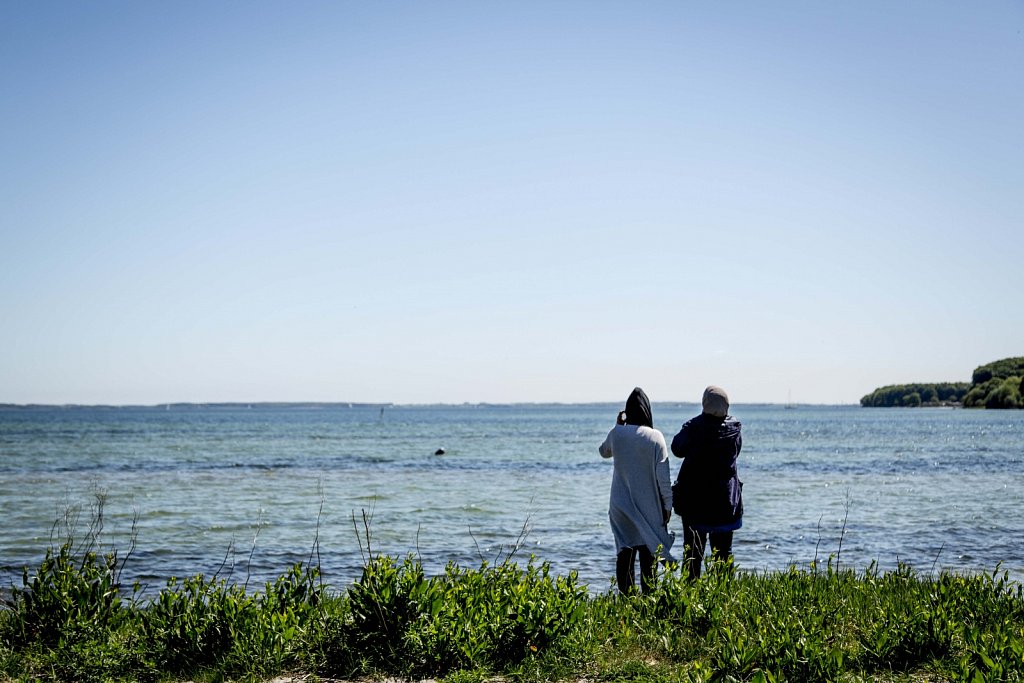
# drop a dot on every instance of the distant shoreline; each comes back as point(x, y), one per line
point(345, 405)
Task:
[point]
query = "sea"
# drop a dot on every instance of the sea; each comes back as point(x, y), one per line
point(243, 492)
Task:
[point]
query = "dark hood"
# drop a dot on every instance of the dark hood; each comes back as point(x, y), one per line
point(638, 409)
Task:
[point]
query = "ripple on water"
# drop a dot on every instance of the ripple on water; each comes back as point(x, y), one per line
point(909, 485)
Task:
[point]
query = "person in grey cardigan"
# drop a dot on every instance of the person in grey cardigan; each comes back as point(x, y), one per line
point(640, 503)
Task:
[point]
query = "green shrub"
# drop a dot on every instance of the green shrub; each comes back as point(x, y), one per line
point(978, 395)
point(1005, 395)
point(996, 393)
point(998, 385)
point(499, 616)
point(71, 598)
point(488, 617)
point(206, 623)
point(384, 603)
point(1000, 369)
point(68, 621)
point(322, 643)
point(516, 622)
point(188, 624)
point(825, 625)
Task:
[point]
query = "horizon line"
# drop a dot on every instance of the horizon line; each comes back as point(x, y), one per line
point(376, 404)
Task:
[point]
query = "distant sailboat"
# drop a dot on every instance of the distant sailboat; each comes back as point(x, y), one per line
point(789, 401)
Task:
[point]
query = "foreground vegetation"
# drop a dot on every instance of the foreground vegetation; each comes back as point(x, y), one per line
point(999, 384)
point(71, 620)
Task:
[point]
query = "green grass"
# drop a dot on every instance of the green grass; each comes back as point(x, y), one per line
point(72, 620)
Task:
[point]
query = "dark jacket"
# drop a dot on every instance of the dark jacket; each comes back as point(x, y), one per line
point(708, 491)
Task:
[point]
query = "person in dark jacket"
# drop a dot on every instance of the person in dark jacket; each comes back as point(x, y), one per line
point(707, 493)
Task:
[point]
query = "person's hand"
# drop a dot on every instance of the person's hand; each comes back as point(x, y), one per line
point(668, 516)
point(621, 418)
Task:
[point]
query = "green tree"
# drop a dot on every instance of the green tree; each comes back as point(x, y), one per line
point(977, 396)
point(1000, 369)
point(901, 394)
point(952, 391)
point(1005, 395)
point(994, 385)
point(981, 375)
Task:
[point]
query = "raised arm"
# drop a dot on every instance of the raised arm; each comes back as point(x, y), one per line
point(681, 442)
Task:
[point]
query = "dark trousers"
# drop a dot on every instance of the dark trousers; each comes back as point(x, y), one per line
point(696, 541)
point(625, 573)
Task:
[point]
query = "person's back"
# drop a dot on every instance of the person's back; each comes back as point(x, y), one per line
point(640, 500)
point(708, 491)
point(710, 447)
point(637, 451)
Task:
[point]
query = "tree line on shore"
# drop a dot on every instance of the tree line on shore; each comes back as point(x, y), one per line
point(997, 385)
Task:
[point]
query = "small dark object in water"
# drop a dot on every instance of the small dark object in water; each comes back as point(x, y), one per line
point(439, 451)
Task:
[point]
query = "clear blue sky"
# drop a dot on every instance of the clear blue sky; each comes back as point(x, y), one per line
point(519, 201)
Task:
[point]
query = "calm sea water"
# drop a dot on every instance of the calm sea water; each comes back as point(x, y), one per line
point(249, 491)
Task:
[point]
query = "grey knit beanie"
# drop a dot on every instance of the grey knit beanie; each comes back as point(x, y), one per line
point(715, 401)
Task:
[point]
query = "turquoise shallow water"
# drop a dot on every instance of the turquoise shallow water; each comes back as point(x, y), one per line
point(243, 487)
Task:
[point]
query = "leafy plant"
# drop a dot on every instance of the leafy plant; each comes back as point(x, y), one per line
point(489, 617)
point(205, 623)
point(68, 621)
point(68, 599)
